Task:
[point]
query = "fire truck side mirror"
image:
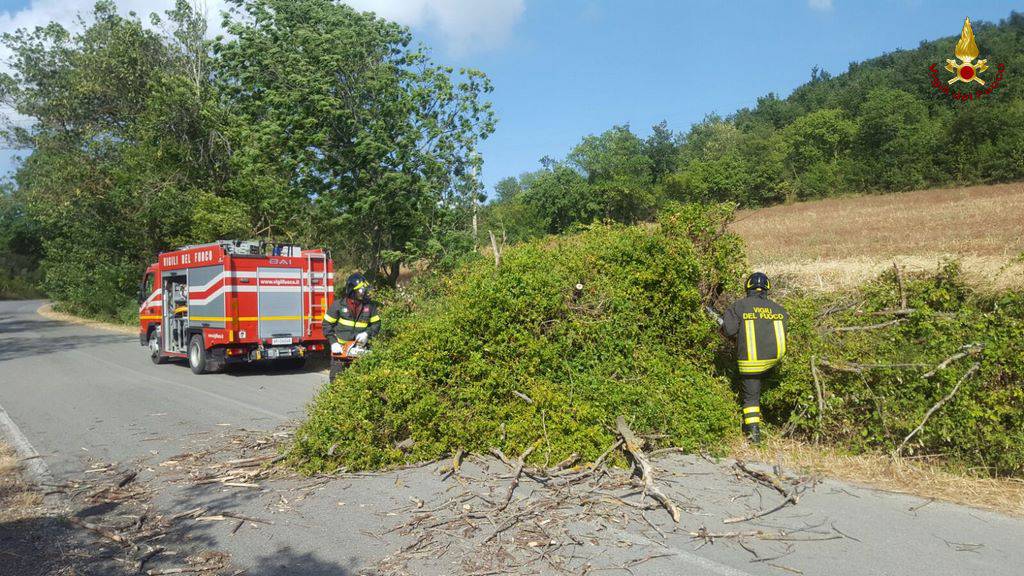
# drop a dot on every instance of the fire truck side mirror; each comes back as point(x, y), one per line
point(142, 293)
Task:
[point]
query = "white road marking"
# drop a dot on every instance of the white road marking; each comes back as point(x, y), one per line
point(35, 467)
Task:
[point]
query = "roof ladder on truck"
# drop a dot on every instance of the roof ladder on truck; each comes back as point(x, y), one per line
point(316, 294)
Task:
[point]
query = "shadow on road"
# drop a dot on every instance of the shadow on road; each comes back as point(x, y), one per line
point(25, 341)
point(286, 562)
point(313, 365)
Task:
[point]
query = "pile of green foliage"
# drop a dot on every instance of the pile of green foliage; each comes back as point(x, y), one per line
point(873, 380)
point(460, 359)
point(880, 126)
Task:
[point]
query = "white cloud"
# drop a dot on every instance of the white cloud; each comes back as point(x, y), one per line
point(822, 5)
point(465, 25)
point(66, 12)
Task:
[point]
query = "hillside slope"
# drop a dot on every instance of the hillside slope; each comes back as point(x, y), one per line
point(839, 243)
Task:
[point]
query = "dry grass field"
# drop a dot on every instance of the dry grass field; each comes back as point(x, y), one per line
point(922, 478)
point(841, 242)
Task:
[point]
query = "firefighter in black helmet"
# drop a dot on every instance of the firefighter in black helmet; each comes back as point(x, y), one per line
point(758, 325)
point(353, 317)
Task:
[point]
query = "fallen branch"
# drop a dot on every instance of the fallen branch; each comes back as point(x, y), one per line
point(899, 284)
point(762, 478)
point(522, 396)
point(818, 392)
point(935, 408)
point(771, 481)
point(109, 535)
point(633, 446)
point(183, 570)
point(965, 350)
point(516, 473)
point(141, 562)
point(867, 327)
point(856, 368)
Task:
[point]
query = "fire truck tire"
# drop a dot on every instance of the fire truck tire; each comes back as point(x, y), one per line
point(154, 348)
point(197, 355)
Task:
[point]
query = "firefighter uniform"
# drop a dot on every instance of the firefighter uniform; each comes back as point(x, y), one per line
point(347, 318)
point(759, 327)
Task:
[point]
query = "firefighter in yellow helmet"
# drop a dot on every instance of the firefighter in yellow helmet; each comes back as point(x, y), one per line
point(758, 325)
point(353, 317)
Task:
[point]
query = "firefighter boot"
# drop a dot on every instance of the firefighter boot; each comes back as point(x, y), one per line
point(753, 433)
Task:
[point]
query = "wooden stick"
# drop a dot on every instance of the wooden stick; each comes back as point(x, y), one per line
point(868, 327)
point(934, 408)
point(109, 535)
point(817, 391)
point(141, 562)
point(965, 350)
point(633, 446)
point(856, 368)
point(516, 473)
point(899, 284)
point(497, 252)
point(524, 397)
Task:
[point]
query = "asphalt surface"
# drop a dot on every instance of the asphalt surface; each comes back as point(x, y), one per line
point(83, 396)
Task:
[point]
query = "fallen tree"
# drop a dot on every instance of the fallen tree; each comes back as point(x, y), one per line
point(546, 349)
point(921, 366)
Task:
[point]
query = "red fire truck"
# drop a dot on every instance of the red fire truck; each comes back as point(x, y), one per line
point(235, 301)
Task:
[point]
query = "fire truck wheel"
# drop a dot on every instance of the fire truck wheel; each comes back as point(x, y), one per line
point(197, 354)
point(154, 348)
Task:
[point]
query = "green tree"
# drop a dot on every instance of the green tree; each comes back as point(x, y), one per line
point(346, 134)
point(619, 173)
point(117, 146)
point(817, 145)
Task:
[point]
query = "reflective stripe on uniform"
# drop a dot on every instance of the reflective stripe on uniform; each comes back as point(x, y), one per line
point(752, 420)
point(352, 323)
point(748, 330)
point(375, 319)
point(750, 409)
point(780, 339)
point(757, 366)
point(329, 318)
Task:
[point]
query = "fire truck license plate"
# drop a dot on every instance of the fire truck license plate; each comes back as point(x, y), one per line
point(276, 341)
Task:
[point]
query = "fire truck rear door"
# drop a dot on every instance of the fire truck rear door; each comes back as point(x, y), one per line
point(280, 302)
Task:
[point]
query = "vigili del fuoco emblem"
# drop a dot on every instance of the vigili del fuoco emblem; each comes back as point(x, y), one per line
point(966, 69)
point(966, 51)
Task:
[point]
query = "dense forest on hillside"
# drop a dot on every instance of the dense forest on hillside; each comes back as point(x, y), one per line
point(878, 127)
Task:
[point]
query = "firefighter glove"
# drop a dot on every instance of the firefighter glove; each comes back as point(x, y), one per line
point(362, 337)
point(336, 348)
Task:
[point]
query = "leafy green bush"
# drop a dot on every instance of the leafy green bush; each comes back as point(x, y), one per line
point(873, 380)
point(459, 357)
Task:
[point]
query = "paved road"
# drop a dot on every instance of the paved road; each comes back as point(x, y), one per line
point(82, 395)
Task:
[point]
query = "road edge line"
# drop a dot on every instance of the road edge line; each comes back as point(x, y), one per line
point(33, 465)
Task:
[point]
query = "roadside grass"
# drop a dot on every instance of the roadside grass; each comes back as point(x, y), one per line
point(918, 477)
point(27, 531)
point(48, 311)
point(840, 243)
point(18, 500)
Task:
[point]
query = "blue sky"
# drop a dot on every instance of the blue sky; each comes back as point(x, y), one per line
point(563, 69)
